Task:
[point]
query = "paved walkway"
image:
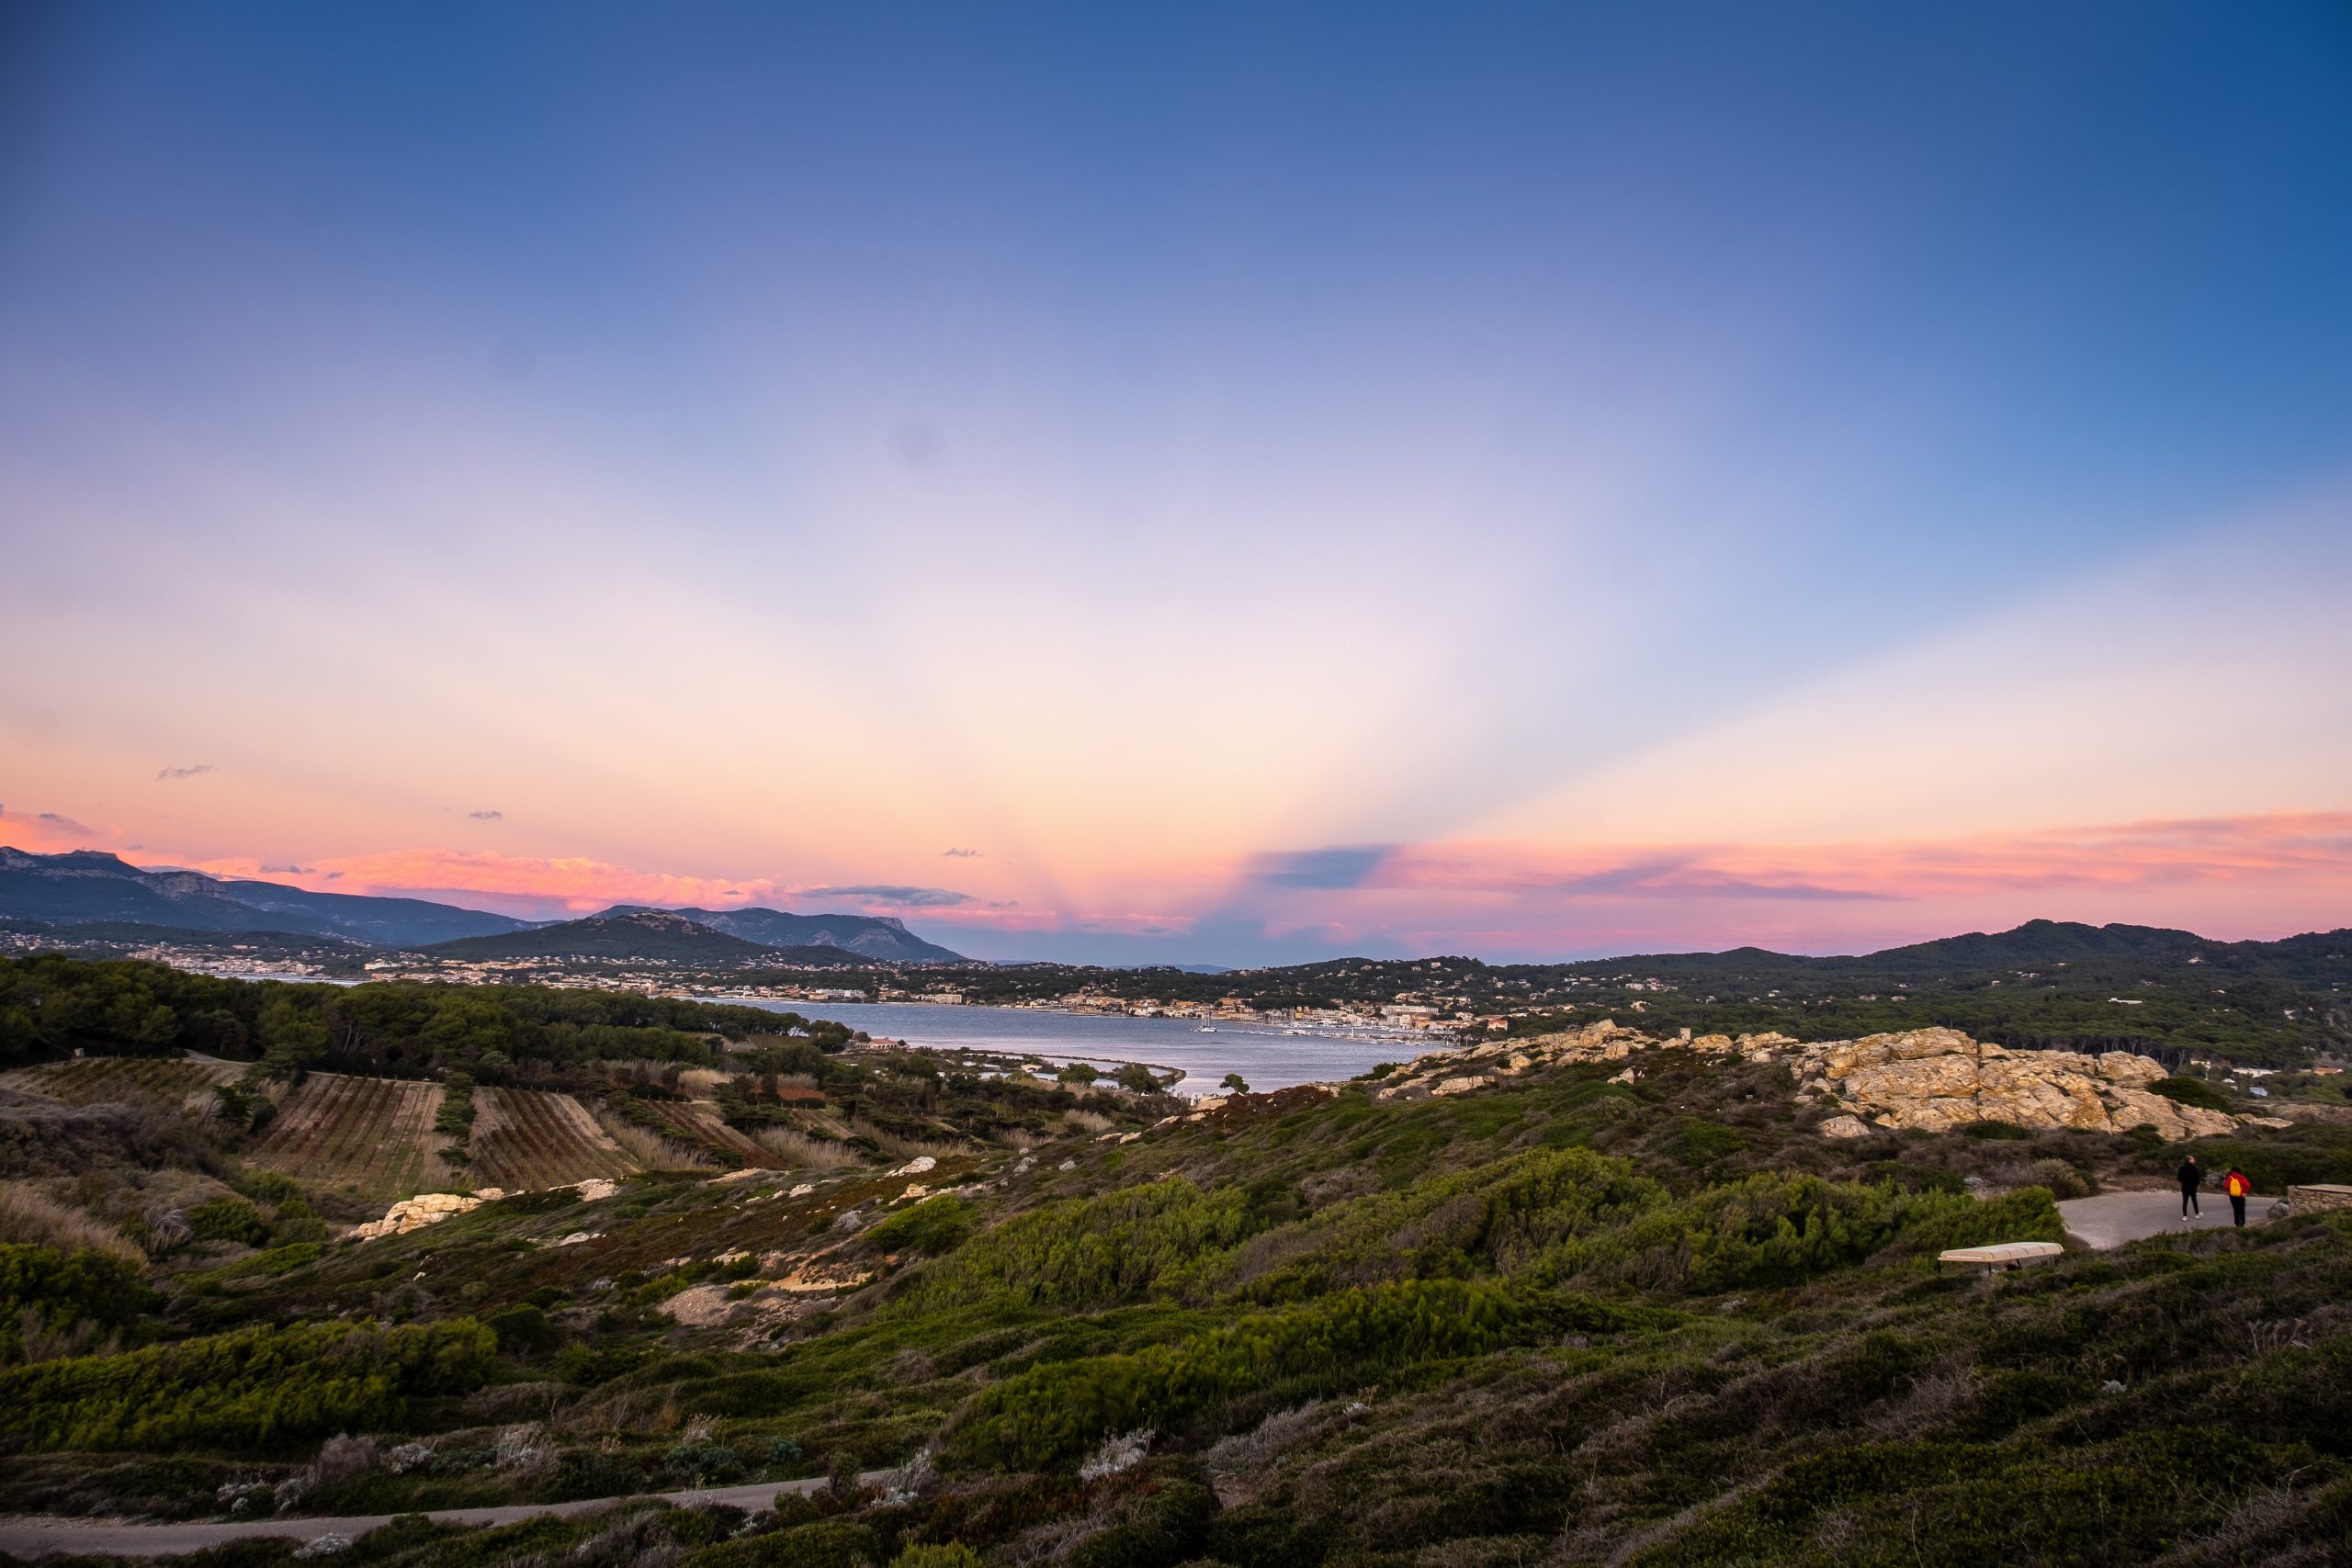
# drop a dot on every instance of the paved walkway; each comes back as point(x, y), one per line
point(30, 1537)
point(2113, 1218)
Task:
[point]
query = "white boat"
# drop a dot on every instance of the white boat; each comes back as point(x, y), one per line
point(1205, 1029)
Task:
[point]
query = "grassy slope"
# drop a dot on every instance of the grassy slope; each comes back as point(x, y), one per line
point(1573, 1321)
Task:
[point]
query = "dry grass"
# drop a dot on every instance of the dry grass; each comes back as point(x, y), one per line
point(650, 1150)
point(29, 1216)
point(1088, 1121)
point(798, 1148)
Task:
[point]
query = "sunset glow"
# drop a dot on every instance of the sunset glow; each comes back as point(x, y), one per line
point(1094, 488)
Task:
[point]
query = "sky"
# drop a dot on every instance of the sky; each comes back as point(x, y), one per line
point(1196, 484)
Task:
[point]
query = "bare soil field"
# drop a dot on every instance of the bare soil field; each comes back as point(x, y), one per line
point(371, 1136)
point(532, 1139)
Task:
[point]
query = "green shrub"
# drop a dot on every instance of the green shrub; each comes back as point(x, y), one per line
point(229, 1218)
point(585, 1365)
point(44, 1289)
point(1051, 1413)
point(954, 1554)
point(821, 1543)
point(2191, 1092)
point(1090, 1251)
point(256, 1388)
point(2275, 1160)
point(456, 1117)
point(521, 1330)
point(294, 1222)
point(267, 1186)
point(934, 1225)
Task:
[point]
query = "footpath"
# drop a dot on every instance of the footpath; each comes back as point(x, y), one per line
point(29, 1537)
point(2113, 1218)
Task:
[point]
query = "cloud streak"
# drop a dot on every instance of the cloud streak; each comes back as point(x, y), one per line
point(895, 893)
point(189, 771)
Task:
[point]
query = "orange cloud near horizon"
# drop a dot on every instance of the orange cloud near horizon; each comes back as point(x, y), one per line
point(2261, 874)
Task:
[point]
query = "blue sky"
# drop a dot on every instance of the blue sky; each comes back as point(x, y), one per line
point(1182, 454)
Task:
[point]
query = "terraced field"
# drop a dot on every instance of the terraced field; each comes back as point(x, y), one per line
point(88, 1080)
point(528, 1138)
point(374, 1134)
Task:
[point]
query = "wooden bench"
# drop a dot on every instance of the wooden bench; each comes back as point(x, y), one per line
point(2006, 1254)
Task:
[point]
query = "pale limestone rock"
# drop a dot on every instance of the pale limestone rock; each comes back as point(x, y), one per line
point(1460, 1085)
point(415, 1214)
point(916, 1165)
point(1844, 1127)
point(596, 1188)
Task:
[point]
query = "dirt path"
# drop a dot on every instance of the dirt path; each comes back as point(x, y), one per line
point(2113, 1218)
point(32, 1536)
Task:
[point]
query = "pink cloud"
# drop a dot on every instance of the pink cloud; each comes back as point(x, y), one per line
point(2305, 849)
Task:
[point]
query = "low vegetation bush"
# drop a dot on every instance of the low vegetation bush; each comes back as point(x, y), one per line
point(1052, 1414)
point(254, 1389)
point(934, 1225)
point(2191, 1092)
point(56, 1299)
point(229, 1218)
point(1093, 1251)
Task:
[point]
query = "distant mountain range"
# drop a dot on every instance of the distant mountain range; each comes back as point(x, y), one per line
point(869, 936)
point(87, 887)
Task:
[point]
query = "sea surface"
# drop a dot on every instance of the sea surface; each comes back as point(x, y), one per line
point(1262, 1054)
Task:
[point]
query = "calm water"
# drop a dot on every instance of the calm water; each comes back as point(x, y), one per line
point(1264, 1056)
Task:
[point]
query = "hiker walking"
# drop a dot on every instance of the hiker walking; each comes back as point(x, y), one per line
point(2190, 1178)
point(2237, 1187)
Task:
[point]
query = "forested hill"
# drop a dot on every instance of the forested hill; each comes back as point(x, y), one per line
point(2319, 956)
point(638, 935)
point(869, 936)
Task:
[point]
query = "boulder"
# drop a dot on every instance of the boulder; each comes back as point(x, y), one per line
point(415, 1214)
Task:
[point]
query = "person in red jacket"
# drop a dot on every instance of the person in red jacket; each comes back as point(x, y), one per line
point(2237, 1187)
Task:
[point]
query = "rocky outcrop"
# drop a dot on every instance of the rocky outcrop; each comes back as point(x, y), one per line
point(426, 1209)
point(1940, 1078)
point(1490, 1061)
point(1931, 1079)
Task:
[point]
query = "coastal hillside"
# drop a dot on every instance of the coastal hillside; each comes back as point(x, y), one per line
point(1606, 1295)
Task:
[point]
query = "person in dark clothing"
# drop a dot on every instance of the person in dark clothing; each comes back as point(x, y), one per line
point(2190, 1179)
point(2236, 1185)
